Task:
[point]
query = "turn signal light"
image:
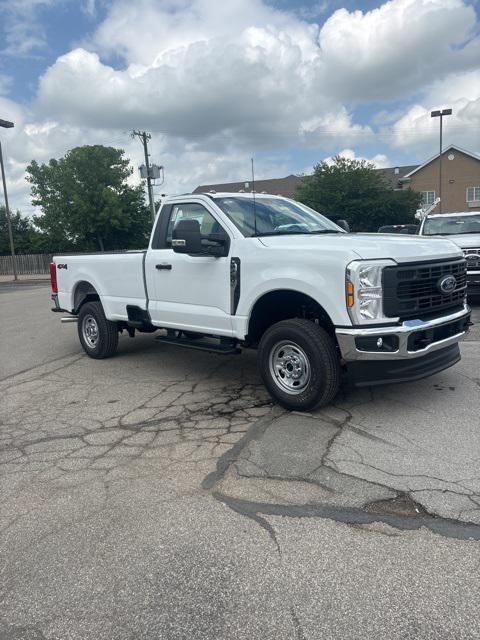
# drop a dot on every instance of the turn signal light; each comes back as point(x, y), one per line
point(349, 293)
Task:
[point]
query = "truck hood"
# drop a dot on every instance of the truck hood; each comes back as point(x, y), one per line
point(464, 240)
point(371, 246)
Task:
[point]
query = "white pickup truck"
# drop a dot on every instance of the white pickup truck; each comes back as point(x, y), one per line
point(464, 229)
point(226, 271)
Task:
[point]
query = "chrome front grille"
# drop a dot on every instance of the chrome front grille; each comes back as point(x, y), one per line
point(472, 257)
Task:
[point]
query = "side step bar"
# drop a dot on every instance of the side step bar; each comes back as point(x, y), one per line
point(226, 347)
point(69, 319)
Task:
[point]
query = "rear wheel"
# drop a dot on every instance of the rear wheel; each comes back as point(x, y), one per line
point(98, 336)
point(299, 364)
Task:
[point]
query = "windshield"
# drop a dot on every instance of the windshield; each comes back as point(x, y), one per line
point(274, 216)
point(449, 226)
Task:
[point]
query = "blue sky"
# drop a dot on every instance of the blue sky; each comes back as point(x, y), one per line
point(291, 83)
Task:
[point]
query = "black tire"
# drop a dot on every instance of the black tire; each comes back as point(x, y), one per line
point(314, 352)
point(106, 341)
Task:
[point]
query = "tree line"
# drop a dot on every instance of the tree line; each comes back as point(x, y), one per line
point(87, 203)
point(354, 191)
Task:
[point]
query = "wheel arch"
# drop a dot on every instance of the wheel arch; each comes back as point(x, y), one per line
point(283, 304)
point(83, 292)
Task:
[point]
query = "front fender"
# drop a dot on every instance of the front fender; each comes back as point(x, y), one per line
point(331, 299)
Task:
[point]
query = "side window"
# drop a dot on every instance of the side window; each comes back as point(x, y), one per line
point(192, 211)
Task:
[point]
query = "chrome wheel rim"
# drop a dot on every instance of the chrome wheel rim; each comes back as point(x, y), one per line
point(290, 367)
point(90, 331)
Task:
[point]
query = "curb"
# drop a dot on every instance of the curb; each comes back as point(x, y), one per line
point(30, 281)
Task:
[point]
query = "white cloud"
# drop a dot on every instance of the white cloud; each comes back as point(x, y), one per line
point(379, 160)
point(251, 89)
point(145, 30)
point(416, 129)
point(399, 47)
point(197, 67)
point(337, 125)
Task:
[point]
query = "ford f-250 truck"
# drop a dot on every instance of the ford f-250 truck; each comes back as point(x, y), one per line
point(463, 229)
point(227, 271)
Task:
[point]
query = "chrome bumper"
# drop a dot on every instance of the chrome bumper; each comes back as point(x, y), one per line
point(350, 352)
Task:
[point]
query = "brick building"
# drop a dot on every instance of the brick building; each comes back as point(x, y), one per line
point(460, 181)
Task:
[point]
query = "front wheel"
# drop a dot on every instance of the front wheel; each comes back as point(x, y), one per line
point(98, 336)
point(299, 364)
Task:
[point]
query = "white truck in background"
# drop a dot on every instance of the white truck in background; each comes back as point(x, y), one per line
point(463, 229)
point(229, 271)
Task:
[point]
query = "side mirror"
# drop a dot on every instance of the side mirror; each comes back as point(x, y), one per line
point(343, 224)
point(186, 237)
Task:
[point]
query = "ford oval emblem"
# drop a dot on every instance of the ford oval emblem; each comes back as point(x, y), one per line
point(472, 257)
point(447, 284)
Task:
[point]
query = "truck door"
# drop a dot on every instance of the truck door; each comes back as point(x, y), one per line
point(188, 292)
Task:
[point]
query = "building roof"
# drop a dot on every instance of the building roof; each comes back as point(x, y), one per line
point(393, 174)
point(449, 148)
point(288, 185)
point(278, 186)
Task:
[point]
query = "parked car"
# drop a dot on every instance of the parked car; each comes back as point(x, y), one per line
point(399, 228)
point(464, 229)
point(230, 271)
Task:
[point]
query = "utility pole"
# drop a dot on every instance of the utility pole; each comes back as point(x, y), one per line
point(144, 137)
point(440, 114)
point(8, 125)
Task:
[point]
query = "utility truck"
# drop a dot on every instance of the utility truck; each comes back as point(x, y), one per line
point(230, 271)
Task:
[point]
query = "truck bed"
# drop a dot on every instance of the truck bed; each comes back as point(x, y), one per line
point(118, 278)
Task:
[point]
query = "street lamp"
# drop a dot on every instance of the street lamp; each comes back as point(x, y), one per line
point(440, 114)
point(8, 125)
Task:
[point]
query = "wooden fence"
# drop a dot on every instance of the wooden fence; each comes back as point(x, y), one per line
point(26, 265)
point(38, 264)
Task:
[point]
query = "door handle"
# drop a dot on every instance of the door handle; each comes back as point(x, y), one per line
point(163, 266)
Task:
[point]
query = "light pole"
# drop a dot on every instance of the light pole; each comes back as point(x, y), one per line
point(440, 114)
point(8, 125)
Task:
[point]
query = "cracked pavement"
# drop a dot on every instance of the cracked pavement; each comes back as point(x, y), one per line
point(160, 494)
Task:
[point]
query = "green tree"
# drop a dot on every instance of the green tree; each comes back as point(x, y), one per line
point(352, 190)
point(86, 202)
point(27, 239)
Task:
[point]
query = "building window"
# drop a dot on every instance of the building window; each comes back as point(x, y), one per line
point(473, 194)
point(428, 197)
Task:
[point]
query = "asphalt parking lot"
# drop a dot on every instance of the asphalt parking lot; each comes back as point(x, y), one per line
point(160, 494)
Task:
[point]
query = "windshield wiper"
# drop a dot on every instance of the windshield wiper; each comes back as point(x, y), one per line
point(325, 231)
point(280, 233)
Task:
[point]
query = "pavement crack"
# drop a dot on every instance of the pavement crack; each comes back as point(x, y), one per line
point(446, 527)
point(299, 634)
point(243, 508)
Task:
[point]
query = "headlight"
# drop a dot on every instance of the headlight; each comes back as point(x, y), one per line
point(364, 292)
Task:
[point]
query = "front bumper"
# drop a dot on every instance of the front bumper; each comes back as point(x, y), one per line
point(423, 347)
point(412, 338)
